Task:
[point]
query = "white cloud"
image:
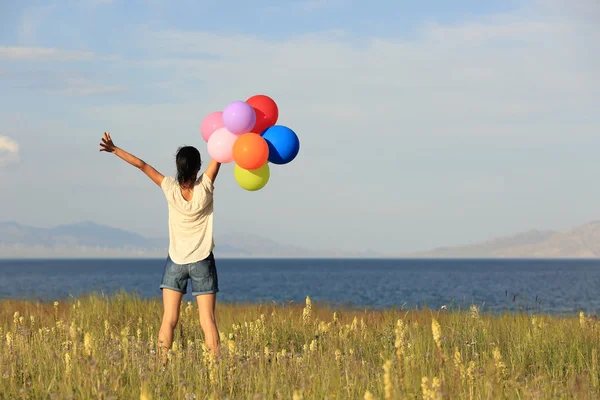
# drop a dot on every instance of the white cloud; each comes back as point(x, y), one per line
point(303, 6)
point(43, 54)
point(506, 74)
point(313, 5)
point(63, 82)
point(78, 86)
point(20, 53)
point(9, 150)
point(93, 90)
point(92, 4)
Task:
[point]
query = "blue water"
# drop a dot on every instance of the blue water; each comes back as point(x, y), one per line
point(550, 286)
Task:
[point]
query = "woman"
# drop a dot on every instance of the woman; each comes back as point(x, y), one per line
point(190, 201)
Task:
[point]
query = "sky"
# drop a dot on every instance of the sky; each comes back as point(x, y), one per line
point(421, 124)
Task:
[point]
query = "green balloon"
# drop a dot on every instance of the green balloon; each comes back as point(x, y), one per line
point(252, 180)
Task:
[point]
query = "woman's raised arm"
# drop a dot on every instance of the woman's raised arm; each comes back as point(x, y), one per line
point(213, 170)
point(108, 146)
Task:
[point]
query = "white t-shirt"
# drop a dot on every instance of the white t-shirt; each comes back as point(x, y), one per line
point(190, 222)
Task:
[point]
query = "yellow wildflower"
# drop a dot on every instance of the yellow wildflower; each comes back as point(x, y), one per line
point(400, 338)
point(67, 364)
point(500, 366)
point(307, 312)
point(458, 364)
point(144, 392)
point(297, 395)
point(72, 331)
point(431, 391)
point(471, 373)
point(232, 347)
point(437, 333)
point(87, 343)
point(474, 311)
point(60, 325)
point(387, 380)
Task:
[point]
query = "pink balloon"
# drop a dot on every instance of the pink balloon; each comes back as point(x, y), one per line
point(220, 145)
point(211, 123)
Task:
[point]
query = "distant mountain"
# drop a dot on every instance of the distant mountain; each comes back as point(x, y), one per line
point(89, 239)
point(579, 242)
point(247, 243)
point(83, 234)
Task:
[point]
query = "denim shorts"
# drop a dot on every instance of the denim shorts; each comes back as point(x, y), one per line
point(202, 273)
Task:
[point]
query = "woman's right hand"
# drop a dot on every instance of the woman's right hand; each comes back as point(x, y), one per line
point(107, 144)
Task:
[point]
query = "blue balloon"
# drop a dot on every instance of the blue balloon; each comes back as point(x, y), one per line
point(283, 144)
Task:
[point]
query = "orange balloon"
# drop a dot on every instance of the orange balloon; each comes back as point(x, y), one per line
point(250, 151)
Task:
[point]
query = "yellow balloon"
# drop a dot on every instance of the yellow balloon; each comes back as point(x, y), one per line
point(252, 180)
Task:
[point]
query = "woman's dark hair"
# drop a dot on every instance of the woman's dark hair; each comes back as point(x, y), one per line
point(188, 164)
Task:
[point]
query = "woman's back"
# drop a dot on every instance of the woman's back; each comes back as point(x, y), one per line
point(190, 222)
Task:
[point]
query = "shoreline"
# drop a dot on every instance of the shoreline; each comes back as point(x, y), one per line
point(463, 308)
point(126, 256)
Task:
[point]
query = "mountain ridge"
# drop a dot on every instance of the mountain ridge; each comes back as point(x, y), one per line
point(581, 241)
point(90, 239)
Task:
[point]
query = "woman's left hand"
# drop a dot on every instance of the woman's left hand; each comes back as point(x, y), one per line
point(107, 144)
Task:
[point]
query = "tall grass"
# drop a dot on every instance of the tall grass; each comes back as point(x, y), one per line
point(105, 347)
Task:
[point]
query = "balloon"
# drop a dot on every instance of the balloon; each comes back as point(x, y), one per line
point(283, 144)
point(252, 180)
point(220, 145)
point(211, 123)
point(239, 117)
point(250, 151)
point(266, 112)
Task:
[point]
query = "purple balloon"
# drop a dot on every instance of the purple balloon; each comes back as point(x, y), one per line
point(239, 117)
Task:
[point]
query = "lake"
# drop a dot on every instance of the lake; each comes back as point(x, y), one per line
point(550, 286)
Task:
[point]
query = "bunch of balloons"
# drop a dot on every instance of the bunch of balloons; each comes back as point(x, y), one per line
point(245, 133)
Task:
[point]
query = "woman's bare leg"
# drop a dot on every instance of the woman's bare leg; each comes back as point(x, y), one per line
point(171, 303)
point(208, 322)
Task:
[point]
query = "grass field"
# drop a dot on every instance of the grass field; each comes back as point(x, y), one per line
point(105, 348)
